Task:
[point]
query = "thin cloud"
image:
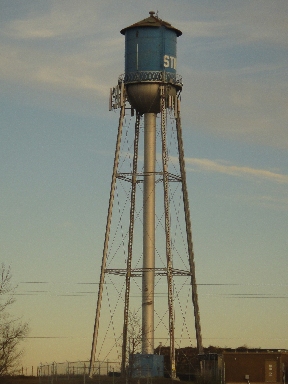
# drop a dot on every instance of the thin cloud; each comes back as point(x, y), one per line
point(234, 170)
point(204, 28)
point(64, 72)
point(244, 23)
point(229, 103)
point(71, 49)
point(270, 202)
point(61, 19)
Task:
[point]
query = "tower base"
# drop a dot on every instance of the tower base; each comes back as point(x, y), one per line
point(146, 365)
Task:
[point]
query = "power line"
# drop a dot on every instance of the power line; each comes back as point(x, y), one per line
point(198, 284)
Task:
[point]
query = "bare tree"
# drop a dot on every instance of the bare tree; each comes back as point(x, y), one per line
point(12, 330)
point(134, 333)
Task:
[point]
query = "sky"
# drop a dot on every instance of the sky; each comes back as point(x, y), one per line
point(57, 138)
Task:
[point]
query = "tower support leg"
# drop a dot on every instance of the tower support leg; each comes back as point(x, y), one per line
point(106, 241)
point(167, 233)
point(188, 231)
point(130, 246)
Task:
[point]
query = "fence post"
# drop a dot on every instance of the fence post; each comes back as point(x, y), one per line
point(39, 372)
point(56, 378)
point(84, 373)
point(52, 373)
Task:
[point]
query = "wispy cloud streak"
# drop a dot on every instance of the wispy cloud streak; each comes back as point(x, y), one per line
point(235, 170)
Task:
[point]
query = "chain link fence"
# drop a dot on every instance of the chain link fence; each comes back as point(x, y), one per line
point(51, 372)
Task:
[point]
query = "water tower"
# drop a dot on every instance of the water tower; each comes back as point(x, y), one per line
point(148, 92)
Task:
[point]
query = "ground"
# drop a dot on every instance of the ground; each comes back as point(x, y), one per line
point(80, 380)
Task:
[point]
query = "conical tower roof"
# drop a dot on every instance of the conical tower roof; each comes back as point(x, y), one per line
point(152, 21)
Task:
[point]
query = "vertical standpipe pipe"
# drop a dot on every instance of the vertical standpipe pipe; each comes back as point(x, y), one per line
point(148, 277)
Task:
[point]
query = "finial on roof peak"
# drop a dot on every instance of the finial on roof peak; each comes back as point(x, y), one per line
point(151, 13)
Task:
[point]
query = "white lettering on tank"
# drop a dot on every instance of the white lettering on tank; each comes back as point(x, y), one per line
point(166, 61)
point(169, 61)
point(173, 62)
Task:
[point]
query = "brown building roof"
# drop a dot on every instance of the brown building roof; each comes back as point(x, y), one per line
point(152, 21)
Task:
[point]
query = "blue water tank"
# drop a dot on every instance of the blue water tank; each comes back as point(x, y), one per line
point(150, 60)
